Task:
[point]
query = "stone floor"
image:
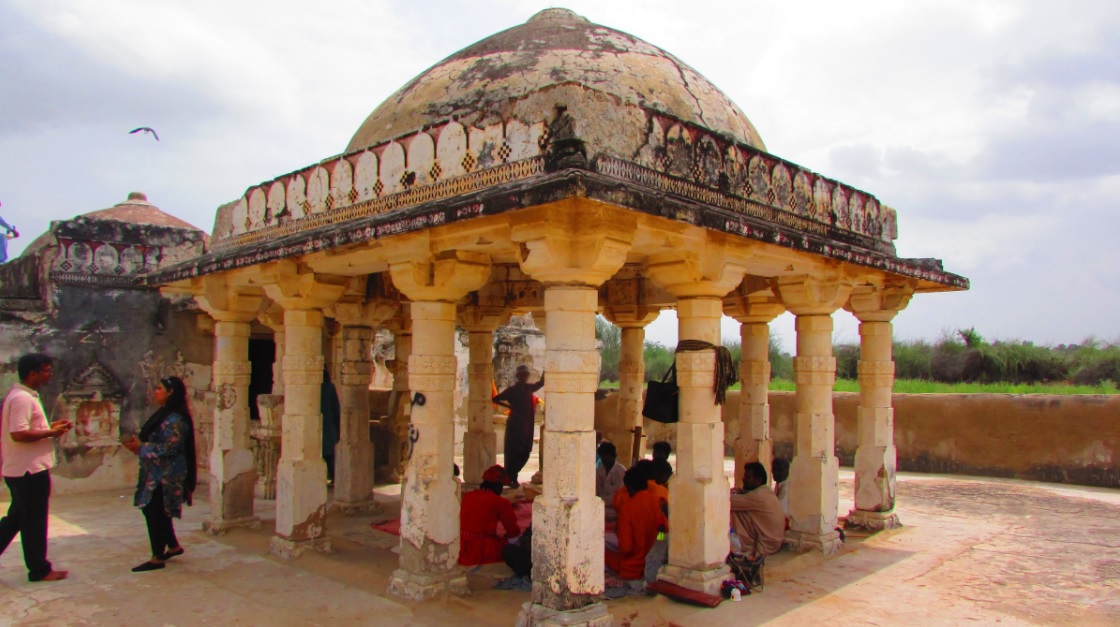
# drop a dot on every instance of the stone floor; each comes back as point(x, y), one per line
point(974, 551)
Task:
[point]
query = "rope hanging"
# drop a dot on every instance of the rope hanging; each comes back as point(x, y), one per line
point(727, 372)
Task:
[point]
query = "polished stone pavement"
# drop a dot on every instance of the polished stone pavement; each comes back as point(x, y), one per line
point(973, 551)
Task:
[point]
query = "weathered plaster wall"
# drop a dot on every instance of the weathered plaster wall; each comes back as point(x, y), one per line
point(1064, 439)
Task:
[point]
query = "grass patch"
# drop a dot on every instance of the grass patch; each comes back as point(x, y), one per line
point(916, 386)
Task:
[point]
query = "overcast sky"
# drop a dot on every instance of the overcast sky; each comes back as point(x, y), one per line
point(993, 127)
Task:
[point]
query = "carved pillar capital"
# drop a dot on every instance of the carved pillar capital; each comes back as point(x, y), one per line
point(709, 272)
point(573, 242)
point(444, 277)
point(806, 295)
point(872, 303)
point(226, 303)
point(370, 313)
point(293, 286)
point(753, 301)
point(631, 316)
point(482, 319)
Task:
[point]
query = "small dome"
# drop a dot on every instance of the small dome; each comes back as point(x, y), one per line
point(137, 210)
point(555, 58)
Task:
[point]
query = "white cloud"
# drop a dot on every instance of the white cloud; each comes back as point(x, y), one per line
point(990, 125)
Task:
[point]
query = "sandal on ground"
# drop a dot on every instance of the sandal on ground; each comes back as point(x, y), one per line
point(54, 575)
point(172, 553)
point(146, 566)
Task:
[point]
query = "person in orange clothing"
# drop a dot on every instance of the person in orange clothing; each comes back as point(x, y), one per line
point(639, 520)
point(479, 515)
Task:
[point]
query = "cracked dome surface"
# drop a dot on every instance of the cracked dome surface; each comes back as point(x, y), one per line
point(607, 79)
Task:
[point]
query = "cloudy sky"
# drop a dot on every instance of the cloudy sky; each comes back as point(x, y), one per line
point(992, 126)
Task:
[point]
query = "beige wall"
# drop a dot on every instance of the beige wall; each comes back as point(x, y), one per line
point(1065, 439)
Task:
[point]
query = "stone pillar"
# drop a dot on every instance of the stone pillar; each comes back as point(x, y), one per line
point(814, 472)
point(429, 549)
point(699, 499)
point(480, 443)
point(401, 400)
point(353, 475)
point(631, 377)
point(754, 306)
point(301, 475)
point(572, 250)
point(876, 455)
point(233, 474)
point(354, 463)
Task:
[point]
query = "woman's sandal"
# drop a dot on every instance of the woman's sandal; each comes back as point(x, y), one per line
point(146, 566)
point(172, 553)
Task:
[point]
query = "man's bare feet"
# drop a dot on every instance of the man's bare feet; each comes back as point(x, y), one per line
point(56, 575)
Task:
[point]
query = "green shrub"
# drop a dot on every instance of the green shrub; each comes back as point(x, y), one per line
point(658, 360)
point(610, 348)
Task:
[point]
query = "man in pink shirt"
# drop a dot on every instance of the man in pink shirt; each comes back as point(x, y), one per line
point(27, 455)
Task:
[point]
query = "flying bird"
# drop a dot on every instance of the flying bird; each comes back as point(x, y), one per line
point(146, 130)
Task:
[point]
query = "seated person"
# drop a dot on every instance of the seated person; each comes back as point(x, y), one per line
point(780, 469)
point(662, 450)
point(479, 515)
point(662, 471)
point(608, 476)
point(639, 521)
point(519, 557)
point(756, 514)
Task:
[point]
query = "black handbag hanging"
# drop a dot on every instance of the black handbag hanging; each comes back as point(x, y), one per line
point(661, 398)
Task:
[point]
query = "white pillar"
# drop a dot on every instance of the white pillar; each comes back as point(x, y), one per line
point(699, 499)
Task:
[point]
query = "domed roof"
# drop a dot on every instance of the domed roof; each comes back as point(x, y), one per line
point(135, 210)
point(557, 57)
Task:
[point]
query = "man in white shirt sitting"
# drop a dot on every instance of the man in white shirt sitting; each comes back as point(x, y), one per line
point(27, 455)
point(609, 474)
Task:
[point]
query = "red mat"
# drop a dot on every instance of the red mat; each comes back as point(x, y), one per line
point(684, 595)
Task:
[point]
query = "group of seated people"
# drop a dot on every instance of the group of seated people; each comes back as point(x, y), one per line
point(637, 502)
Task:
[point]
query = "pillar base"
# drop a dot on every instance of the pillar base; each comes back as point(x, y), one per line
point(218, 527)
point(536, 615)
point(708, 581)
point(423, 587)
point(354, 508)
point(827, 543)
point(875, 521)
point(291, 549)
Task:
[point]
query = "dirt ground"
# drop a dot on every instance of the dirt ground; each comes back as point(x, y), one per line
point(973, 551)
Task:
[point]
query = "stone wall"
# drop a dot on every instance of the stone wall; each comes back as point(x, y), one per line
point(1063, 439)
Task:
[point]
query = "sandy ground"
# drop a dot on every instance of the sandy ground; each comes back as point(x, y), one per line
point(974, 551)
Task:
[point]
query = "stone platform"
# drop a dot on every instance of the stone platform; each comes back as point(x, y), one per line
point(973, 551)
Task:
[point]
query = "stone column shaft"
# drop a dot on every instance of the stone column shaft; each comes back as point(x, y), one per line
point(567, 518)
point(398, 421)
point(755, 444)
point(301, 483)
point(429, 564)
point(480, 444)
point(699, 500)
point(278, 363)
point(814, 492)
point(354, 466)
point(233, 473)
point(631, 384)
point(876, 454)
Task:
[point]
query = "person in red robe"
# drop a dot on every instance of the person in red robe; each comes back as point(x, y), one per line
point(479, 515)
point(639, 520)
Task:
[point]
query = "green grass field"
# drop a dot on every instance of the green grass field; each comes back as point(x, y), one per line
point(915, 386)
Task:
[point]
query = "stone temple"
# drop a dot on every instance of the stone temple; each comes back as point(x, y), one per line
point(565, 169)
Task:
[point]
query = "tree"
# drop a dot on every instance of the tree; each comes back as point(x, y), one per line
point(610, 348)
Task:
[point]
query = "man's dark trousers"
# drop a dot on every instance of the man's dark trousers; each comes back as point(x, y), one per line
point(27, 516)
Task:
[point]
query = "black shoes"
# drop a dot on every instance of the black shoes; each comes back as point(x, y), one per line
point(146, 566)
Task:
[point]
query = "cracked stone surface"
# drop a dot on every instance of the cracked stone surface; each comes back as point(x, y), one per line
point(973, 551)
point(558, 57)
